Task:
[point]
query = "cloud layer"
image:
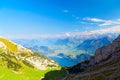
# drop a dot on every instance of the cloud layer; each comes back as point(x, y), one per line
point(112, 27)
point(103, 22)
point(113, 30)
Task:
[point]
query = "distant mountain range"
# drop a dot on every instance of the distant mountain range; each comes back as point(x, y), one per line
point(91, 45)
point(71, 47)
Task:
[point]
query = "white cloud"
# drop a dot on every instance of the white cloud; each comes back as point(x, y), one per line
point(93, 19)
point(88, 34)
point(85, 34)
point(65, 11)
point(103, 22)
point(37, 36)
point(68, 34)
point(115, 29)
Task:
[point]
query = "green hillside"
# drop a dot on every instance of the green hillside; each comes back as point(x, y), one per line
point(9, 45)
point(30, 74)
point(19, 63)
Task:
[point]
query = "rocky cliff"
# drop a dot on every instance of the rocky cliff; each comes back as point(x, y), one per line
point(105, 63)
point(106, 52)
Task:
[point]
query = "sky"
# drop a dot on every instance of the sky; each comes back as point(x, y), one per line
point(46, 18)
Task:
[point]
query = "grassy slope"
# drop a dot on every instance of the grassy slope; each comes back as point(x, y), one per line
point(28, 74)
point(10, 46)
point(17, 70)
point(13, 69)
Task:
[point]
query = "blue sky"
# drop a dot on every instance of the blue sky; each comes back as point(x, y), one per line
point(36, 18)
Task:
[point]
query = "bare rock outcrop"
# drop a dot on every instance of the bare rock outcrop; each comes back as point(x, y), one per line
point(103, 55)
point(106, 52)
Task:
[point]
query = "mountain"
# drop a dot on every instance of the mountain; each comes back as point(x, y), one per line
point(71, 47)
point(65, 46)
point(90, 45)
point(105, 65)
point(45, 50)
point(20, 63)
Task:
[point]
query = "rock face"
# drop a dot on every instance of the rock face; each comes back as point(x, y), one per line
point(106, 52)
point(103, 55)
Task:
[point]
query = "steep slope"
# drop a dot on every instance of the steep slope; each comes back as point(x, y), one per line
point(105, 65)
point(20, 63)
point(24, 54)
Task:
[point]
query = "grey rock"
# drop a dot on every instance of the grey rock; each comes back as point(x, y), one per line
point(105, 52)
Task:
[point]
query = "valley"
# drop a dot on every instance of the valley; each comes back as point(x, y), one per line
point(68, 51)
point(23, 63)
point(59, 39)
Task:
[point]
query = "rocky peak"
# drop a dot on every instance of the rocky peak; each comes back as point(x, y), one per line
point(102, 56)
point(105, 52)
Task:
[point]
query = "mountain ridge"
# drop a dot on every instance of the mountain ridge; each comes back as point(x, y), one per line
point(103, 66)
